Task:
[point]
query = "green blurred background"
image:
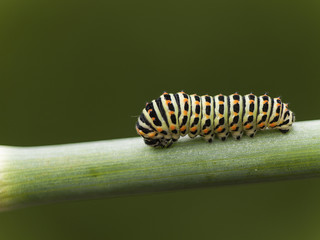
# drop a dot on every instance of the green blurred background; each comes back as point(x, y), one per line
point(76, 71)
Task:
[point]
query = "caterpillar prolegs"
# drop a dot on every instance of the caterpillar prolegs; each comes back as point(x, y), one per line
point(170, 116)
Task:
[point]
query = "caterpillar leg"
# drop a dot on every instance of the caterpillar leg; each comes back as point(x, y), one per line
point(284, 130)
point(237, 135)
point(208, 138)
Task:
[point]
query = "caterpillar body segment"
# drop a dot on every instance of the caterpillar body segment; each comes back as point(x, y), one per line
point(264, 110)
point(170, 116)
point(250, 114)
point(184, 112)
point(235, 115)
point(221, 128)
point(195, 116)
point(170, 111)
point(207, 118)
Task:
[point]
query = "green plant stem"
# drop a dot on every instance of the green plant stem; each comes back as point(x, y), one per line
point(37, 175)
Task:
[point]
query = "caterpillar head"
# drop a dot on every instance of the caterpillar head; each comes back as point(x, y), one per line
point(153, 139)
point(150, 136)
point(158, 143)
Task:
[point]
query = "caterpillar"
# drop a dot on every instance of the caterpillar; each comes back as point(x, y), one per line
point(170, 116)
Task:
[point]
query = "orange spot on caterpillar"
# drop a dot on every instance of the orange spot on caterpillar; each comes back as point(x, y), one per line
point(265, 101)
point(183, 128)
point(197, 102)
point(140, 132)
point(149, 111)
point(207, 116)
point(248, 126)
point(235, 101)
point(193, 129)
point(153, 118)
point(220, 115)
point(196, 115)
point(273, 124)
point(171, 112)
point(172, 127)
point(220, 129)
point(152, 134)
point(185, 112)
point(159, 129)
point(208, 104)
point(235, 113)
point(205, 130)
point(251, 101)
point(221, 102)
point(168, 102)
point(234, 127)
point(261, 124)
point(186, 100)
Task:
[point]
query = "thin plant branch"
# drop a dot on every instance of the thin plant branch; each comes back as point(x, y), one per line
point(38, 175)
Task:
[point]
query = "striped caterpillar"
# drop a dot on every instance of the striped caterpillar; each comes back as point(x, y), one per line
point(170, 116)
